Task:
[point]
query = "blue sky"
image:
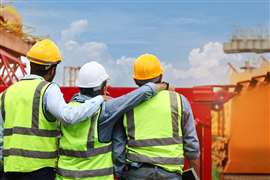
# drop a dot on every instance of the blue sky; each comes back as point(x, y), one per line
point(126, 29)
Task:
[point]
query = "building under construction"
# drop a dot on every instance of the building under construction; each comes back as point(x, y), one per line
point(233, 121)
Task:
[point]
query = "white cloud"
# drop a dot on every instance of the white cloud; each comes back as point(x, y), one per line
point(76, 54)
point(74, 30)
point(207, 65)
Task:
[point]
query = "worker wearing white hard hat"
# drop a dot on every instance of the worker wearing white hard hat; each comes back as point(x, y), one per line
point(30, 110)
point(85, 148)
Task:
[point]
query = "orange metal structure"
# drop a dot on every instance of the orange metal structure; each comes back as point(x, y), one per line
point(241, 145)
point(249, 141)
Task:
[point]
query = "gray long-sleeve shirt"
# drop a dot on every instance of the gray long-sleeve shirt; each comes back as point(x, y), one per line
point(190, 139)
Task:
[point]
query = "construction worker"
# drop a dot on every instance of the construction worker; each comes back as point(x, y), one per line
point(29, 109)
point(158, 133)
point(85, 148)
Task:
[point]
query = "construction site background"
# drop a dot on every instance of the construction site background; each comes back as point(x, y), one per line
point(241, 131)
point(240, 127)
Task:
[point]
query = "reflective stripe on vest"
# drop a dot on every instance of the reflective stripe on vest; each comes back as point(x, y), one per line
point(29, 139)
point(155, 160)
point(27, 153)
point(35, 118)
point(175, 139)
point(82, 165)
point(88, 153)
point(141, 149)
point(85, 173)
point(91, 150)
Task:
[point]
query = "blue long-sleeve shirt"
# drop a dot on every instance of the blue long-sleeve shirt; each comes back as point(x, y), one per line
point(190, 139)
point(113, 110)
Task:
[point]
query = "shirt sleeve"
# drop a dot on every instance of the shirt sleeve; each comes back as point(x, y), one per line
point(118, 149)
point(54, 103)
point(114, 109)
point(190, 138)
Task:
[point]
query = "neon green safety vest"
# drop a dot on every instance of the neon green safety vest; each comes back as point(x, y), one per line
point(154, 132)
point(82, 156)
point(30, 141)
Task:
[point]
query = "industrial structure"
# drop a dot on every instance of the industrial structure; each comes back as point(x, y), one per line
point(14, 43)
point(241, 130)
point(239, 112)
point(70, 75)
point(257, 41)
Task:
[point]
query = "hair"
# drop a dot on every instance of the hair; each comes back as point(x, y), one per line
point(92, 92)
point(41, 70)
point(153, 80)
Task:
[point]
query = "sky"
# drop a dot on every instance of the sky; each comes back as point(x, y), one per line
point(187, 36)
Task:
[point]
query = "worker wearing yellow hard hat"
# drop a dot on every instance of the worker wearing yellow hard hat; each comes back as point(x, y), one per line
point(158, 134)
point(45, 53)
point(30, 110)
point(146, 67)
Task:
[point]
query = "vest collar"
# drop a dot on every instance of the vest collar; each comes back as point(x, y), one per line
point(80, 98)
point(32, 76)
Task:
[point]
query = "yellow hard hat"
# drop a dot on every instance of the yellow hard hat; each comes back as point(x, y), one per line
point(44, 52)
point(147, 66)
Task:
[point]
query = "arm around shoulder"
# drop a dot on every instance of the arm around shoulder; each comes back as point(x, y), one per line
point(55, 104)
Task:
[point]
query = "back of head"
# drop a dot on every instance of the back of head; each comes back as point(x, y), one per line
point(92, 79)
point(147, 68)
point(44, 57)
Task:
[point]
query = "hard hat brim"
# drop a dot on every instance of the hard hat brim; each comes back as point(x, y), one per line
point(94, 84)
point(41, 62)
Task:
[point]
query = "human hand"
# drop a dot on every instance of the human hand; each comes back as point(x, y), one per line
point(161, 86)
point(171, 88)
point(168, 86)
point(107, 98)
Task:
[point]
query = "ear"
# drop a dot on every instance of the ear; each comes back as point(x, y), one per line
point(51, 74)
point(161, 76)
point(53, 71)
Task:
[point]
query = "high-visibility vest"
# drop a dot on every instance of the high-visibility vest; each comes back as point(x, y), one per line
point(154, 132)
point(82, 156)
point(30, 139)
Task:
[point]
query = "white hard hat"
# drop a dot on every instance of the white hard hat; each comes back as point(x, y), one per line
point(92, 75)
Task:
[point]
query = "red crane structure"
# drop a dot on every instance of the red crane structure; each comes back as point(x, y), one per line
point(14, 43)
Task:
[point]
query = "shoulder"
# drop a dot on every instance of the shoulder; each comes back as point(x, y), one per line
point(52, 87)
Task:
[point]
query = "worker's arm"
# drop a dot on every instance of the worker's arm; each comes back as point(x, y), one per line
point(190, 138)
point(119, 140)
point(114, 109)
point(54, 103)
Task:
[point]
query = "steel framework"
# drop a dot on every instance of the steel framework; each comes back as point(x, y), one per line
point(10, 66)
